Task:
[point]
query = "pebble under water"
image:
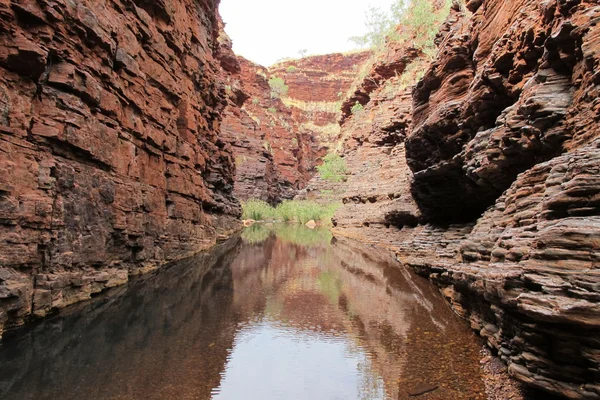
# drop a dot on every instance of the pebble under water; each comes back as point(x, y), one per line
point(280, 312)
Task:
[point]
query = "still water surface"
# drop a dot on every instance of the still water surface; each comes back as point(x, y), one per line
point(282, 312)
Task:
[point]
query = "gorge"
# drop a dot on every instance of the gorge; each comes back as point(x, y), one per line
point(130, 134)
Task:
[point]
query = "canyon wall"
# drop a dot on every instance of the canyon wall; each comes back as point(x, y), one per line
point(278, 140)
point(501, 160)
point(274, 156)
point(112, 160)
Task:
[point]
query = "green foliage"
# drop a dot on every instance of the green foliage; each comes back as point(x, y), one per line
point(255, 101)
point(356, 108)
point(278, 87)
point(379, 25)
point(333, 168)
point(294, 142)
point(299, 211)
point(291, 69)
point(257, 210)
point(302, 211)
point(419, 22)
point(272, 110)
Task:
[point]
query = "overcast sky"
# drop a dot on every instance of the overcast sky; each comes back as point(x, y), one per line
point(264, 31)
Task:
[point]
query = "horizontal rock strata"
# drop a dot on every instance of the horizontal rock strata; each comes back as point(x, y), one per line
point(109, 145)
point(504, 150)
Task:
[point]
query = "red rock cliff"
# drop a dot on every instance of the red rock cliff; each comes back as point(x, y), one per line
point(503, 140)
point(278, 141)
point(110, 149)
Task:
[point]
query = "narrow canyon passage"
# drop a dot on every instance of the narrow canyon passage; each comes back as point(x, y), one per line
point(460, 139)
point(284, 312)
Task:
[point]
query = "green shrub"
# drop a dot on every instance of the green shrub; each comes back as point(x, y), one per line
point(356, 108)
point(278, 87)
point(333, 168)
point(272, 110)
point(419, 19)
point(255, 101)
point(303, 211)
point(257, 210)
point(300, 211)
point(291, 69)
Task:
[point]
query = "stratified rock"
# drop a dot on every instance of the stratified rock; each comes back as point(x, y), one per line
point(504, 143)
point(377, 192)
point(111, 158)
point(512, 86)
point(274, 156)
point(278, 141)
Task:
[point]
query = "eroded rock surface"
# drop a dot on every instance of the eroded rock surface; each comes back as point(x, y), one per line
point(112, 160)
point(504, 145)
point(512, 86)
point(278, 140)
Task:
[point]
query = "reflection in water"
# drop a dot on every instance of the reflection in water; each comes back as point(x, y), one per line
point(284, 312)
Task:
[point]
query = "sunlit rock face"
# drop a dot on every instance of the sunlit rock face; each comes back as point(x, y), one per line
point(502, 152)
point(376, 194)
point(507, 117)
point(274, 156)
point(111, 155)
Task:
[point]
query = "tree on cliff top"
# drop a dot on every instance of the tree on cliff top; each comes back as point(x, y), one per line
point(418, 22)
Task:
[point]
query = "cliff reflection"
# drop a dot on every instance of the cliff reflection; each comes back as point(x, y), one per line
point(282, 312)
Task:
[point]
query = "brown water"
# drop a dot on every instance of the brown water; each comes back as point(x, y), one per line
point(283, 312)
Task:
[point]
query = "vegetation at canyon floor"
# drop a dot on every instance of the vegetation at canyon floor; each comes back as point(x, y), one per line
point(299, 211)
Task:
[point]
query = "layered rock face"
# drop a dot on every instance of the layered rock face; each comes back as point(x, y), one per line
point(110, 149)
point(317, 87)
point(512, 87)
point(505, 123)
point(377, 193)
point(278, 140)
point(274, 156)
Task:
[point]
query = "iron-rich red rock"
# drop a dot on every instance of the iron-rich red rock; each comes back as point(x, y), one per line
point(504, 124)
point(111, 157)
point(278, 141)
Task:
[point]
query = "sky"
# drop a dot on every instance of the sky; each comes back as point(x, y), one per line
point(265, 31)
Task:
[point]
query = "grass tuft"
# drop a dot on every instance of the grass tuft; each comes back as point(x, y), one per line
point(299, 211)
